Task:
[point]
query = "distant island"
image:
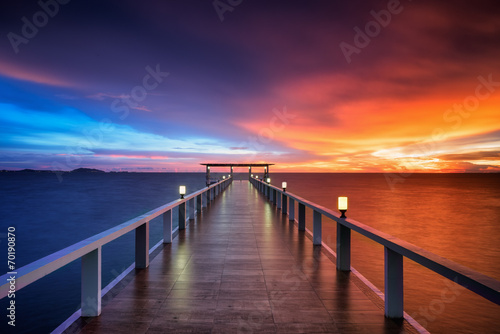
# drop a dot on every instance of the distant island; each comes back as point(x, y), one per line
point(78, 170)
point(87, 170)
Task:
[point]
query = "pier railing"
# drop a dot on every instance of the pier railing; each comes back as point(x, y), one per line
point(394, 250)
point(89, 250)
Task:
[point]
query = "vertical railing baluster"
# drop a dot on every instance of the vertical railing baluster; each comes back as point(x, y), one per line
point(91, 283)
point(277, 199)
point(394, 291)
point(316, 228)
point(167, 227)
point(343, 247)
point(142, 246)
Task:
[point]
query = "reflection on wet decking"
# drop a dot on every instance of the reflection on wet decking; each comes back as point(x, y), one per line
point(241, 267)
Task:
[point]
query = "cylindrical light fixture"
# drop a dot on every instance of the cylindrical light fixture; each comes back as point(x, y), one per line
point(342, 205)
point(182, 191)
point(283, 185)
point(268, 180)
point(223, 177)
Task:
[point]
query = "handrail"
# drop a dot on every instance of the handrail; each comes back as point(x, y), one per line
point(85, 248)
point(395, 249)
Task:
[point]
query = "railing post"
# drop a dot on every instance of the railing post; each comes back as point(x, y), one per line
point(199, 203)
point(91, 283)
point(191, 208)
point(182, 216)
point(207, 197)
point(343, 248)
point(142, 246)
point(284, 204)
point(316, 228)
point(291, 210)
point(302, 217)
point(277, 199)
point(394, 291)
point(167, 227)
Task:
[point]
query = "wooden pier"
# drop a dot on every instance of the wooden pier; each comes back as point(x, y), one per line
point(241, 266)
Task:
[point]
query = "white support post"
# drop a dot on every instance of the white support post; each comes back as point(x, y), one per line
point(91, 283)
point(142, 246)
point(343, 248)
point(316, 228)
point(394, 291)
point(182, 216)
point(291, 210)
point(167, 227)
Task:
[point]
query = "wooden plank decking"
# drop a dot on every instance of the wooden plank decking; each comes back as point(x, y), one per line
point(241, 267)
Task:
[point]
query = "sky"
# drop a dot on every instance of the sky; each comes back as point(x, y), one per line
point(311, 86)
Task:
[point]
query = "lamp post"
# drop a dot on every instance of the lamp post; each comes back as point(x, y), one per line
point(283, 185)
point(182, 191)
point(342, 205)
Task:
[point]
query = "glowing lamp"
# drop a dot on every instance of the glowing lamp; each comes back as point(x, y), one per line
point(342, 206)
point(268, 180)
point(224, 177)
point(283, 185)
point(251, 175)
point(182, 191)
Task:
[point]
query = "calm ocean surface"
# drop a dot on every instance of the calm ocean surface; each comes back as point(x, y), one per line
point(456, 216)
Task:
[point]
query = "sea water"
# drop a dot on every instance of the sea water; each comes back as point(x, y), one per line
point(456, 216)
